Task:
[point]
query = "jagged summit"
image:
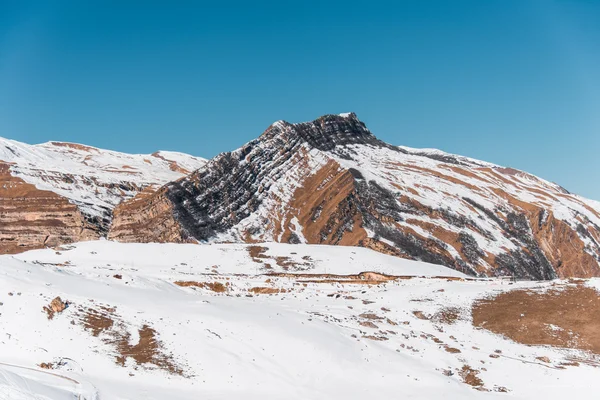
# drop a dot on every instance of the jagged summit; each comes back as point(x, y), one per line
point(325, 133)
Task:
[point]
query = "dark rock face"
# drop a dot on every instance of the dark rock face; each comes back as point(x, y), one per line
point(325, 133)
point(422, 205)
point(228, 189)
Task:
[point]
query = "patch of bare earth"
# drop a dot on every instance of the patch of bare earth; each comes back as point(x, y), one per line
point(286, 263)
point(566, 316)
point(448, 315)
point(375, 337)
point(470, 377)
point(257, 253)
point(421, 315)
point(366, 278)
point(452, 350)
point(266, 290)
point(217, 287)
point(148, 351)
point(98, 320)
point(368, 324)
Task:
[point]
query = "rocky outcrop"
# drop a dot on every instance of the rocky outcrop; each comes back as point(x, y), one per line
point(56, 306)
point(147, 218)
point(31, 218)
point(331, 181)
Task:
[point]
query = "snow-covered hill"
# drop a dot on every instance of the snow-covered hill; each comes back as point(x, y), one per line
point(70, 190)
point(270, 320)
point(94, 179)
point(331, 181)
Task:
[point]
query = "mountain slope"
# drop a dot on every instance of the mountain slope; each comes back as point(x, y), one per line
point(58, 192)
point(258, 321)
point(331, 181)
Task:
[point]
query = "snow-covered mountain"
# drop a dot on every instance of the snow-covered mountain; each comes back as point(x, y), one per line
point(332, 265)
point(61, 192)
point(331, 181)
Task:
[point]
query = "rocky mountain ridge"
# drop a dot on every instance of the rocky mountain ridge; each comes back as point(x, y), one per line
point(331, 181)
point(56, 192)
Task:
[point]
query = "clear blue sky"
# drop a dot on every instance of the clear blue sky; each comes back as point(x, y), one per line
point(511, 82)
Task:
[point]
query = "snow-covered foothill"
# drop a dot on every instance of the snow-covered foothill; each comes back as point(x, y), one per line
point(264, 321)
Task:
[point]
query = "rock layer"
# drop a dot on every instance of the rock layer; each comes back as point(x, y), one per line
point(31, 218)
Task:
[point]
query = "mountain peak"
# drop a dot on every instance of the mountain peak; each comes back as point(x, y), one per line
point(323, 133)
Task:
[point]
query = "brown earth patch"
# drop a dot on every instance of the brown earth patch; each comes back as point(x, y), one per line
point(370, 316)
point(217, 287)
point(381, 247)
point(367, 278)
point(266, 290)
point(563, 317)
point(377, 338)
point(368, 324)
point(98, 320)
point(104, 322)
point(470, 376)
point(420, 315)
point(148, 350)
point(257, 253)
point(448, 315)
point(452, 350)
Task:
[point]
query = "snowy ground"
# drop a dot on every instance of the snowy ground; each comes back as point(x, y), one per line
point(130, 332)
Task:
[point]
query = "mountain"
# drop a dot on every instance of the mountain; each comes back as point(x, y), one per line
point(55, 192)
point(331, 181)
point(350, 274)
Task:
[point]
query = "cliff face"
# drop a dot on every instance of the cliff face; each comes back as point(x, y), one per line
point(148, 217)
point(57, 193)
point(31, 218)
point(331, 181)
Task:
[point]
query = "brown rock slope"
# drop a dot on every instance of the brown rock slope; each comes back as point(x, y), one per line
point(330, 181)
point(32, 218)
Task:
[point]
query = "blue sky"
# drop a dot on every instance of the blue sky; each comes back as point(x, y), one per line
point(512, 82)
